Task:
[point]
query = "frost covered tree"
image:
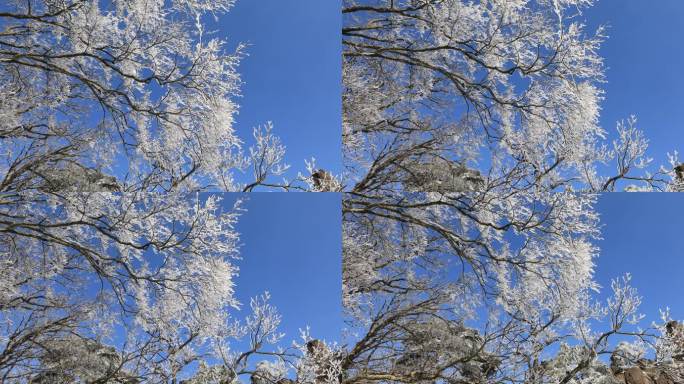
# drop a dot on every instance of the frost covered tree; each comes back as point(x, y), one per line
point(114, 115)
point(76, 271)
point(469, 128)
point(114, 268)
point(125, 288)
point(124, 96)
point(508, 89)
point(434, 293)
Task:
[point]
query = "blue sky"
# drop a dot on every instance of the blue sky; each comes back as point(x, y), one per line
point(642, 235)
point(291, 247)
point(292, 74)
point(644, 60)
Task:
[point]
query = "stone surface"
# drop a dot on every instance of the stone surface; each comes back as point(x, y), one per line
point(635, 375)
point(662, 379)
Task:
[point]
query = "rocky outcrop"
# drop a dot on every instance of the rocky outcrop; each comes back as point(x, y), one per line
point(629, 367)
point(645, 375)
point(635, 375)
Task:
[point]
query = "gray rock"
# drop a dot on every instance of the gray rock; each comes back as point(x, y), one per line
point(635, 375)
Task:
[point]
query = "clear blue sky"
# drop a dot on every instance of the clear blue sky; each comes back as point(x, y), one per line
point(644, 59)
point(292, 74)
point(643, 234)
point(292, 248)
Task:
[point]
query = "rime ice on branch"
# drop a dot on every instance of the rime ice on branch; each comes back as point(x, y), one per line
point(508, 89)
point(139, 92)
point(468, 128)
